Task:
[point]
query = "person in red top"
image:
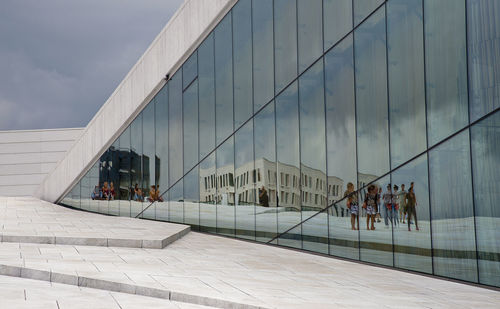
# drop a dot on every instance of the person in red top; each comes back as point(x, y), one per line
point(112, 191)
point(105, 191)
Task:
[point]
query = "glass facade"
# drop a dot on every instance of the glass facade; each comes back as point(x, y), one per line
point(368, 130)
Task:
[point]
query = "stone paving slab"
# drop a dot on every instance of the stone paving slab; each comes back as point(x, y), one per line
point(27, 293)
point(29, 220)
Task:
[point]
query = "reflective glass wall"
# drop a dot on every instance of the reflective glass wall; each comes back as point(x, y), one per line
point(367, 130)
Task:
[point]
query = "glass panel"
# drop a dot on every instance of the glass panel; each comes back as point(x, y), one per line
point(287, 147)
point(189, 70)
point(190, 112)
point(376, 237)
point(310, 31)
point(206, 80)
point(313, 158)
point(191, 199)
point(262, 24)
point(341, 146)
point(446, 68)
point(406, 79)
point(337, 20)
point(224, 79)
point(244, 182)
point(105, 195)
point(225, 188)
point(148, 160)
point(285, 40)
point(452, 212)
point(264, 176)
point(136, 166)
point(412, 249)
point(93, 181)
point(86, 192)
point(363, 8)
point(175, 142)
point(484, 57)
point(242, 49)
point(161, 157)
point(208, 195)
point(176, 203)
point(371, 98)
point(485, 165)
point(113, 166)
point(125, 193)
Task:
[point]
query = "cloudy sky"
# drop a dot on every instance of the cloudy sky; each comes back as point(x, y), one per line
point(60, 60)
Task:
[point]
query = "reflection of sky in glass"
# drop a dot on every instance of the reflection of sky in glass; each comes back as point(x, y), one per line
point(175, 128)
point(206, 95)
point(190, 106)
point(243, 141)
point(148, 141)
point(287, 126)
point(264, 134)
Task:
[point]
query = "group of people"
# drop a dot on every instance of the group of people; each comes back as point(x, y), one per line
point(394, 205)
point(105, 192)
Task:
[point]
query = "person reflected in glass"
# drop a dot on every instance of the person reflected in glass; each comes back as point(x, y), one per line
point(112, 191)
point(159, 198)
point(379, 196)
point(411, 204)
point(395, 205)
point(137, 193)
point(352, 205)
point(370, 205)
point(152, 194)
point(97, 193)
point(387, 197)
point(402, 203)
point(105, 191)
point(263, 197)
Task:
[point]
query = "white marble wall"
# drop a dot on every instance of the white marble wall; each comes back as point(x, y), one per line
point(183, 33)
point(28, 156)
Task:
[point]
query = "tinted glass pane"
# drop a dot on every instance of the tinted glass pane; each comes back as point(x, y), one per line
point(206, 80)
point(190, 117)
point(287, 147)
point(93, 181)
point(244, 182)
point(313, 158)
point(341, 146)
point(189, 70)
point(208, 194)
point(224, 79)
point(486, 167)
point(242, 49)
point(265, 174)
point(285, 42)
point(125, 193)
point(406, 79)
point(161, 156)
point(337, 20)
point(148, 159)
point(86, 192)
point(452, 210)
point(446, 67)
point(262, 25)
point(310, 31)
point(191, 199)
point(413, 248)
point(136, 165)
point(484, 57)
point(103, 201)
point(175, 129)
point(114, 177)
point(371, 98)
point(176, 203)
point(225, 188)
point(363, 8)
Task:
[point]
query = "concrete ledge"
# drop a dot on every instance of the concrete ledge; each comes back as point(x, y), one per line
point(107, 285)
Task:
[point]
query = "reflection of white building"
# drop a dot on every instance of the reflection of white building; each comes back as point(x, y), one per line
point(335, 189)
point(281, 181)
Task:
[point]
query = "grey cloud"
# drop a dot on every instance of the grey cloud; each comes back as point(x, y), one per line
point(60, 60)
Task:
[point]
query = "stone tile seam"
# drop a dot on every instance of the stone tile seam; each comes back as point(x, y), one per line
point(97, 242)
point(111, 286)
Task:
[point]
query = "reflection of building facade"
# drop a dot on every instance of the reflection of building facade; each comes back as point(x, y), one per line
point(357, 88)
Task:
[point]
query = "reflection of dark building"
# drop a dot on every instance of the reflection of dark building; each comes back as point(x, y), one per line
point(125, 168)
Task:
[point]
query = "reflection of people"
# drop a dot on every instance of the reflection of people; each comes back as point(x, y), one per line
point(112, 191)
point(352, 205)
point(152, 194)
point(263, 198)
point(137, 193)
point(378, 196)
point(387, 197)
point(395, 206)
point(402, 203)
point(370, 205)
point(97, 193)
point(411, 203)
point(105, 191)
point(158, 196)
